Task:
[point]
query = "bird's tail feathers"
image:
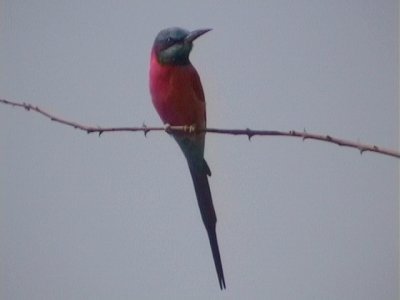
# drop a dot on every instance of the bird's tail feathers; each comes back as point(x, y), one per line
point(199, 174)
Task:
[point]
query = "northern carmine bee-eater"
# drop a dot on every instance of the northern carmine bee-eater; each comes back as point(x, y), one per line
point(178, 97)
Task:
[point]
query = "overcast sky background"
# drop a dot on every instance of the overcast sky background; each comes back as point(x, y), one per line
point(115, 217)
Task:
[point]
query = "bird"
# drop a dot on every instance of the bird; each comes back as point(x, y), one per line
point(178, 97)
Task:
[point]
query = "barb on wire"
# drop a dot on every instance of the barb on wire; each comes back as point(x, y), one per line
point(191, 130)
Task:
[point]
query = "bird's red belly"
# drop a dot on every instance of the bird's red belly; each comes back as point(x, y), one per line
point(174, 96)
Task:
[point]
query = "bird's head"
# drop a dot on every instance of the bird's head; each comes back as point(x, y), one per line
point(172, 46)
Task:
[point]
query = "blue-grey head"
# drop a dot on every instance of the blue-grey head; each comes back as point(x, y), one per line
point(172, 45)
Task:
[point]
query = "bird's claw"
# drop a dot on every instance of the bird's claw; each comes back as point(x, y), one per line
point(189, 128)
point(167, 128)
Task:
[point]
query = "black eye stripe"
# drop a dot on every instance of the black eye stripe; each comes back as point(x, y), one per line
point(170, 41)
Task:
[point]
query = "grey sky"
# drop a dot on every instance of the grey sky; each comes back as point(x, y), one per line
point(115, 217)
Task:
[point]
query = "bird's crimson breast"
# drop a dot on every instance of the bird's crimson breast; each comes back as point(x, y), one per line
point(177, 94)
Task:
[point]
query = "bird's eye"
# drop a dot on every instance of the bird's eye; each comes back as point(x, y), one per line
point(169, 40)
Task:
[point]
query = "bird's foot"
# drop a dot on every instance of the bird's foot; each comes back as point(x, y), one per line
point(190, 128)
point(167, 128)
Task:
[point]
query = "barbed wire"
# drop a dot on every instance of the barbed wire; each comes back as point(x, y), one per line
point(192, 130)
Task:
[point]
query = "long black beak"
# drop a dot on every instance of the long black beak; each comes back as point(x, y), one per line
point(195, 34)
